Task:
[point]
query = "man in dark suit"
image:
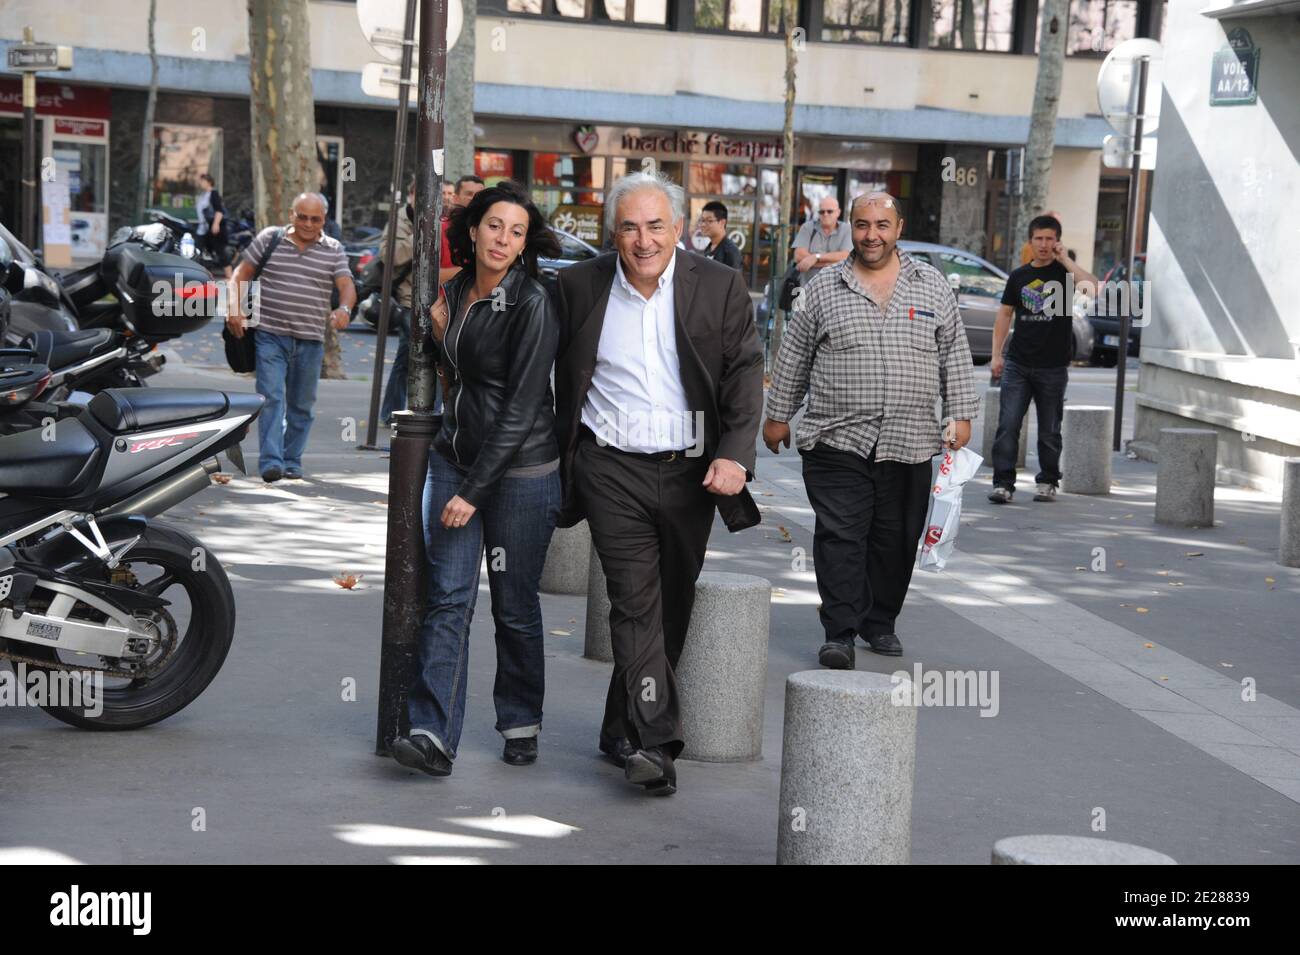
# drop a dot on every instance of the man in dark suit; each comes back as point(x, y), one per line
point(659, 392)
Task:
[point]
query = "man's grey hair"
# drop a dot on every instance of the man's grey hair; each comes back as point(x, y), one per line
point(318, 196)
point(635, 182)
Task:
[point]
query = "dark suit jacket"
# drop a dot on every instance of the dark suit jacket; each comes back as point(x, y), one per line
point(718, 350)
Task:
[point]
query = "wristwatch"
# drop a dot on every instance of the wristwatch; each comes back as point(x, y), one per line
point(817, 256)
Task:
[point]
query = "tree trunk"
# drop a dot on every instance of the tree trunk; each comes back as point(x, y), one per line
point(1042, 123)
point(460, 98)
point(144, 184)
point(283, 122)
point(780, 251)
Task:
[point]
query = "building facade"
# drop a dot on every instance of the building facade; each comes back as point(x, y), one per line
point(928, 99)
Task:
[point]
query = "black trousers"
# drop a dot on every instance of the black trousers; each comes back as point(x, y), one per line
point(870, 515)
point(650, 524)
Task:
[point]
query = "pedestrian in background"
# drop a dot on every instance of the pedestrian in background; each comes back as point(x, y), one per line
point(822, 241)
point(713, 226)
point(1036, 366)
point(212, 223)
point(493, 482)
point(302, 268)
point(403, 259)
point(875, 343)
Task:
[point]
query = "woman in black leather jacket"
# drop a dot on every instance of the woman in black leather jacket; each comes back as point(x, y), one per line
point(493, 480)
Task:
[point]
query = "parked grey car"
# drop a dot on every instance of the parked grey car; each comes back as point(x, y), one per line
point(978, 285)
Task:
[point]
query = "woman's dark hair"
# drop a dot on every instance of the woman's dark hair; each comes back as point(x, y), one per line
point(207, 177)
point(540, 241)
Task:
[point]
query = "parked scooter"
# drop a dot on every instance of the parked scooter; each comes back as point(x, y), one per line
point(91, 586)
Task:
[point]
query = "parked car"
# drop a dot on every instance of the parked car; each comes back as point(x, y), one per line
point(1104, 316)
point(978, 285)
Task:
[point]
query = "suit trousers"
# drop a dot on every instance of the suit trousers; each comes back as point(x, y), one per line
point(870, 515)
point(650, 522)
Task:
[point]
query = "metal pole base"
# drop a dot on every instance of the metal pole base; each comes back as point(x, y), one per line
point(404, 572)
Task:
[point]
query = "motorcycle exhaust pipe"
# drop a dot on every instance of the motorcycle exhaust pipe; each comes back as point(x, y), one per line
point(154, 500)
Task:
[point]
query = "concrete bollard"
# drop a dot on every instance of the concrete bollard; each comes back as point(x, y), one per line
point(722, 674)
point(1073, 850)
point(992, 408)
point(1185, 477)
point(1288, 550)
point(1087, 433)
point(597, 645)
point(847, 765)
point(565, 571)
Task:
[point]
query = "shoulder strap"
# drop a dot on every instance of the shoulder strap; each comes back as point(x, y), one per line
point(276, 238)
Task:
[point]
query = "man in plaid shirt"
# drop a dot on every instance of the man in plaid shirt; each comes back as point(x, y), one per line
point(873, 343)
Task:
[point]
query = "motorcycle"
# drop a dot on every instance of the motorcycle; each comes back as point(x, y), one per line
point(90, 341)
point(91, 585)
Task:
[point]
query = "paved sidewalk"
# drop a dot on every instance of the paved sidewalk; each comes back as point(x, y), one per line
point(283, 770)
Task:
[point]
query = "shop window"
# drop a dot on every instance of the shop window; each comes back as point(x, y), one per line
point(1096, 26)
point(575, 213)
point(972, 24)
point(742, 16)
point(493, 167)
point(181, 153)
point(561, 169)
point(866, 21)
point(620, 166)
point(721, 179)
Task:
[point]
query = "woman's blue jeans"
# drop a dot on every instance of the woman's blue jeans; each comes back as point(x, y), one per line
point(514, 527)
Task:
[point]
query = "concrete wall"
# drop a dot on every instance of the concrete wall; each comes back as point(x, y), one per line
point(1221, 263)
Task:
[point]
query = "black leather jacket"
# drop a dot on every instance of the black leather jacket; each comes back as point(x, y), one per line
point(500, 413)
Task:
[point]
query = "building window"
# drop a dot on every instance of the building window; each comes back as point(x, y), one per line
point(866, 21)
point(742, 16)
point(1096, 26)
point(181, 153)
point(972, 24)
point(652, 12)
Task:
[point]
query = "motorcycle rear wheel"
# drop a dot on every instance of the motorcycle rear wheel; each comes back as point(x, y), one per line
point(178, 677)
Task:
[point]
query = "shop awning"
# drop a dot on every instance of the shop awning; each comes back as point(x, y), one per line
point(1251, 8)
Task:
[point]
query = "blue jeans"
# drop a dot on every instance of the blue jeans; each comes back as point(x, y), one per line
point(1046, 388)
point(288, 369)
point(395, 390)
point(515, 526)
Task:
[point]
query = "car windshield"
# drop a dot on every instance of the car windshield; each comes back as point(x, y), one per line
point(571, 248)
point(975, 277)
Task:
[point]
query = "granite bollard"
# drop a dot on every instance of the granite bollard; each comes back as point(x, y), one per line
point(992, 408)
point(1073, 850)
point(1288, 550)
point(1185, 477)
point(722, 674)
point(1087, 433)
point(565, 571)
point(597, 644)
point(847, 766)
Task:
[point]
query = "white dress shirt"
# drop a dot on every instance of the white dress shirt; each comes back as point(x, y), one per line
point(636, 401)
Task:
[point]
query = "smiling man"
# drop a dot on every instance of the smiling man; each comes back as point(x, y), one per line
point(872, 344)
point(659, 393)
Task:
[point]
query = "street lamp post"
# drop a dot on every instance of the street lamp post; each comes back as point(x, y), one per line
point(405, 562)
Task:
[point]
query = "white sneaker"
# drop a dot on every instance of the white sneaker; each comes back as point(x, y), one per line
point(1001, 495)
point(1045, 492)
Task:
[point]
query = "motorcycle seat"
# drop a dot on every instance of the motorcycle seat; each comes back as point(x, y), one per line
point(31, 465)
point(58, 350)
point(135, 409)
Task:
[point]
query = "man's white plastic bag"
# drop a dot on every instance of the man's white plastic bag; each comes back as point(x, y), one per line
point(955, 469)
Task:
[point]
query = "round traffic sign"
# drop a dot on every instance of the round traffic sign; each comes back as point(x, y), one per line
point(1117, 82)
point(382, 23)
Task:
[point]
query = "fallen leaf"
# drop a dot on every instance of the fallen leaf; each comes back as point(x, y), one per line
point(1175, 583)
point(1269, 580)
point(1195, 553)
point(785, 534)
point(573, 620)
point(561, 633)
point(1143, 610)
point(1081, 568)
point(348, 581)
point(1123, 605)
point(1228, 665)
point(1164, 678)
point(1162, 573)
point(221, 479)
point(1149, 646)
point(1119, 563)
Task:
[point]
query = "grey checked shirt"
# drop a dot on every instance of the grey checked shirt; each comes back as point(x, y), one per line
point(872, 380)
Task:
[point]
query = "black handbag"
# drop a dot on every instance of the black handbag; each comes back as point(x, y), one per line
point(789, 283)
point(241, 353)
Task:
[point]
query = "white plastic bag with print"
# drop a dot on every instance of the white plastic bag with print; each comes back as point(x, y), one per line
point(954, 470)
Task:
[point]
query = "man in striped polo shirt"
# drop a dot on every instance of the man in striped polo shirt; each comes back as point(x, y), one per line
point(293, 305)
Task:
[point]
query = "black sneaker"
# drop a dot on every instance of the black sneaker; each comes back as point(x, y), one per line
point(618, 751)
point(520, 752)
point(271, 475)
point(836, 655)
point(418, 752)
point(886, 644)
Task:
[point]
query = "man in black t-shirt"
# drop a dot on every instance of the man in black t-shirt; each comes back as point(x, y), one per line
point(1036, 366)
point(713, 225)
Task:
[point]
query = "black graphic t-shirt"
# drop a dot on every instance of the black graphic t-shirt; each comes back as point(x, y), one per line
point(1043, 333)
